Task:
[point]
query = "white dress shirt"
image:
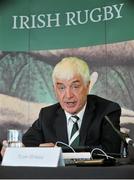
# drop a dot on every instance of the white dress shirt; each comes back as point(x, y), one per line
point(70, 122)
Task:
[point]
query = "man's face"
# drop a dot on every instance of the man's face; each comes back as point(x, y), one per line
point(71, 94)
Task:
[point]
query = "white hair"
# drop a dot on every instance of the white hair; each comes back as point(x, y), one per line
point(68, 67)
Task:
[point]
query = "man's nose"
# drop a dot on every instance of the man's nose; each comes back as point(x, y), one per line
point(69, 92)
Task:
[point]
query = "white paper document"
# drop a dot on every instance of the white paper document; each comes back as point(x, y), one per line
point(77, 156)
point(71, 158)
point(33, 156)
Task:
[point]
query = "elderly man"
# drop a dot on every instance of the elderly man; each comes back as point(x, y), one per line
point(78, 119)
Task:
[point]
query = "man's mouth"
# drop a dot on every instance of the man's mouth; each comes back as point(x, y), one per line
point(70, 104)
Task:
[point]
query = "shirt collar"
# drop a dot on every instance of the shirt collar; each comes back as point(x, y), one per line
point(79, 114)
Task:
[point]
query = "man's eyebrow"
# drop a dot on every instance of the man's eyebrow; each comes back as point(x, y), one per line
point(76, 81)
point(59, 83)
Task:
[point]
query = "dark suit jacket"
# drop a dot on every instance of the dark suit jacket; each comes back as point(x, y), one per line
point(95, 131)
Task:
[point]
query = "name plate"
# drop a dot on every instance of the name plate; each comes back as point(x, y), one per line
point(33, 156)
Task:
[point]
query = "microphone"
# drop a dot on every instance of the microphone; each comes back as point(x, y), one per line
point(124, 137)
point(62, 143)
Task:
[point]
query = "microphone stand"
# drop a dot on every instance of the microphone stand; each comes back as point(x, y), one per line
point(124, 136)
point(128, 145)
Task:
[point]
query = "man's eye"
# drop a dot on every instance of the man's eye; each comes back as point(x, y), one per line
point(76, 86)
point(61, 87)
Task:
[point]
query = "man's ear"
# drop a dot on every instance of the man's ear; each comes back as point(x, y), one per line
point(94, 78)
point(54, 91)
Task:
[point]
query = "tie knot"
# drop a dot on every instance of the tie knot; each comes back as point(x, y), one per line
point(74, 118)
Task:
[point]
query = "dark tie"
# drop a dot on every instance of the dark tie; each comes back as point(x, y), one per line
point(74, 138)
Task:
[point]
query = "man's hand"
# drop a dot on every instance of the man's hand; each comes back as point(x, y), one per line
point(47, 145)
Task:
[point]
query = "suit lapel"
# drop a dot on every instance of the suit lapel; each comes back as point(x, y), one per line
point(61, 126)
point(87, 120)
